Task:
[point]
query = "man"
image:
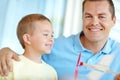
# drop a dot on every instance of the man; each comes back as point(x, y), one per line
point(93, 43)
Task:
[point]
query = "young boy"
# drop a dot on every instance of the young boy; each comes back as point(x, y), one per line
point(35, 34)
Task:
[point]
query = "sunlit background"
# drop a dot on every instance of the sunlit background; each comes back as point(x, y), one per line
point(66, 17)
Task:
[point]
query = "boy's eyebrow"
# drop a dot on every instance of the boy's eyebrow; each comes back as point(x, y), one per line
point(48, 31)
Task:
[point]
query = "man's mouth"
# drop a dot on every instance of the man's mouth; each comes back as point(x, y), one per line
point(95, 29)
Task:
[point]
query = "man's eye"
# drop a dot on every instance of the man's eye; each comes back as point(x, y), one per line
point(101, 17)
point(88, 17)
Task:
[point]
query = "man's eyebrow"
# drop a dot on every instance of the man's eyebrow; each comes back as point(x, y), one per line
point(87, 14)
point(102, 14)
point(98, 14)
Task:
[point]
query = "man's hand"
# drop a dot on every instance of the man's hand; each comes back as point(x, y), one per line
point(117, 77)
point(6, 56)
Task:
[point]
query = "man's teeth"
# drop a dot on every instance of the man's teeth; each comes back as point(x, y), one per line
point(94, 29)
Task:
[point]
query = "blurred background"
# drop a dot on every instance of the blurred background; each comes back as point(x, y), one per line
point(66, 17)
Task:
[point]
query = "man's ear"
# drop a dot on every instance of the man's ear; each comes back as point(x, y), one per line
point(114, 20)
point(26, 38)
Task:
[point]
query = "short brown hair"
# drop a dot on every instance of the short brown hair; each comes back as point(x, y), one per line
point(25, 25)
point(111, 6)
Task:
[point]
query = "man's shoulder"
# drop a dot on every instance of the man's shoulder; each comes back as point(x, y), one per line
point(114, 42)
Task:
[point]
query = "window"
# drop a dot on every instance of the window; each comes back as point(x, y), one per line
point(116, 29)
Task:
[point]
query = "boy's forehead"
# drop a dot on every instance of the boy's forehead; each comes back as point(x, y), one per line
point(43, 24)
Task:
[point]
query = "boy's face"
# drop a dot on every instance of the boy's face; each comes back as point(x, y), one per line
point(41, 41)
point(97, 20)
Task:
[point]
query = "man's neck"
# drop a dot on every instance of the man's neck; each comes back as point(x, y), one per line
point(94, 46)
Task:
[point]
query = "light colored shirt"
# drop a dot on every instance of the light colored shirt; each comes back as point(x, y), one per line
point(64, 56)
point(26, 69)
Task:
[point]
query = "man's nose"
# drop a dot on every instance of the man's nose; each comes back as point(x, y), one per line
point(95, 21)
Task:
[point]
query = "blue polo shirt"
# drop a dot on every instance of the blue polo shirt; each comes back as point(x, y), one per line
point(64, 56)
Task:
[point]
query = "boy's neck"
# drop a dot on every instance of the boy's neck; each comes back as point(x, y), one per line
point(33, 56)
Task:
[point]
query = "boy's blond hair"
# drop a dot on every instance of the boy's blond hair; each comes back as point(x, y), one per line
point(25, 25)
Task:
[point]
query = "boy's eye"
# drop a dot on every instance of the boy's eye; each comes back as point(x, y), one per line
point(45, 34)
point(48, 35)
point(52, 35)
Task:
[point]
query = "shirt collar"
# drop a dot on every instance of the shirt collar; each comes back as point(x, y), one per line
point(108, 46)
point(77, 43)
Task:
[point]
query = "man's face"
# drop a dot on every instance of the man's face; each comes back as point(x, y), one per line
point(97, 20)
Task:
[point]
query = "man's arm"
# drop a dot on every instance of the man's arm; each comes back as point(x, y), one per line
point(117, 77)
point(6, 56)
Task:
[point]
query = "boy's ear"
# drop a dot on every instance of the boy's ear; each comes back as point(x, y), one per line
point(26, 38)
